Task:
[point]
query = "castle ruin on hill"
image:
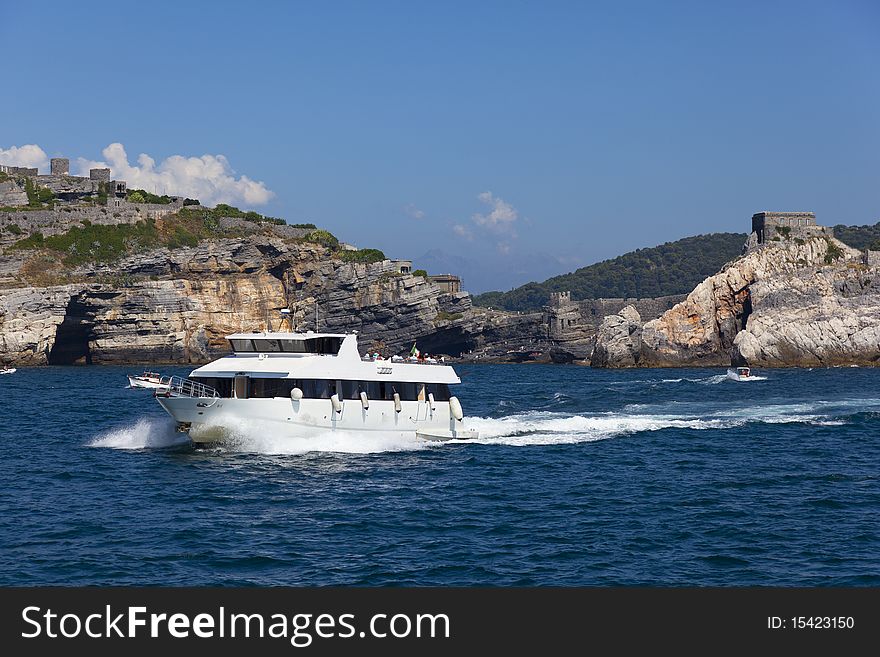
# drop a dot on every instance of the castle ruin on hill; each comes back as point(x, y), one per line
point(68, 190)
point(777, 226)
point(571, 325)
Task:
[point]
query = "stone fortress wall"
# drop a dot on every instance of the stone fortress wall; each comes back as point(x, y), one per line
point(70, 193)
point(17, 171)
point(776, 226)
point(562, 316)
point(595, 310)
point(62, 219)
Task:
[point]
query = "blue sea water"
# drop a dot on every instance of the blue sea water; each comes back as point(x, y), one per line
point(580, 477)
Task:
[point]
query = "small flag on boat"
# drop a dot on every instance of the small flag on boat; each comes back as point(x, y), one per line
point(414, 351)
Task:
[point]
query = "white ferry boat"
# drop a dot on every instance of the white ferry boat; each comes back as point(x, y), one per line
point(303, 384)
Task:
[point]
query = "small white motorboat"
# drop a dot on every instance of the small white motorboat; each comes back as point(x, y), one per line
point(739, 374)
point(7, 370)
point(148, 380)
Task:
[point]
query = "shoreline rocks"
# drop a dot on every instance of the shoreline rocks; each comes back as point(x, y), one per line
point(804, 302)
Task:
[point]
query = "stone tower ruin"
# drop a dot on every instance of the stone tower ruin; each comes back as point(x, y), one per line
point(561, 314)
point(59, 166)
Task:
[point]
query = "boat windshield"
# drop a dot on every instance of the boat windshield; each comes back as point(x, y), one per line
point(322, 345)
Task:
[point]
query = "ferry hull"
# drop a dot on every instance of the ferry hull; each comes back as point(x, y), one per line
point(209, 420)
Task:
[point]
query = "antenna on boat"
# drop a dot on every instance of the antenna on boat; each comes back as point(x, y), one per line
point(316, 314)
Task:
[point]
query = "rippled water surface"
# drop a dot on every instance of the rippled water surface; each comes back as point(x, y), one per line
point(580, 477)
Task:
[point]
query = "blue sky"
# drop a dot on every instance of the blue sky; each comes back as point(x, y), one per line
point(505, 141)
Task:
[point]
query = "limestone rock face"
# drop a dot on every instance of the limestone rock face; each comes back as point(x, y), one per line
point(29, 318)
point(12, 194)
point(178, 305)
point(619, 340)
point(819, 318)
point(801, 302)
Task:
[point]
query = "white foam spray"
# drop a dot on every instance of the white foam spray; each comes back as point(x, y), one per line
point(146, 433)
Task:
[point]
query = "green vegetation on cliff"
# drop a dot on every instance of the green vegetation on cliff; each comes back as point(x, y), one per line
point(211, 216)
point(859, 237)
point(322, 237)
point(223, 210)
point(834, 252)
point(99, 243)
point(362, 255)
point(143, 196)
point(37, 196)
point(95, 243)
point(671, 268)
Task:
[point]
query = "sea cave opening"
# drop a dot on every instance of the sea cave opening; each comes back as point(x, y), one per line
point(72, 336)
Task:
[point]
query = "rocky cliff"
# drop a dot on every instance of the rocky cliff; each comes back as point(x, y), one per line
point(176, 305)
point(618, 341)
point(796, 302)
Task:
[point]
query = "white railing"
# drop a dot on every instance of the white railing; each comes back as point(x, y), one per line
point(180, 387)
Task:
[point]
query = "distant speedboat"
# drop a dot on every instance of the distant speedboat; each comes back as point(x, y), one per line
point(300, 385)
point(739, 374)
point(7, 370)
point(149, 380)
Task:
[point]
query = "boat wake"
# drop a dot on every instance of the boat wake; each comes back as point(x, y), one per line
point(146, 433)
point(704, 380)
point(548, 428)
point(543, 428)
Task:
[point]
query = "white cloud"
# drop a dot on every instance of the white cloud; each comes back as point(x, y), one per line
point(29, 155)
point(208, 178)
point(502, 217)
point(463, 231)
point(412, 211)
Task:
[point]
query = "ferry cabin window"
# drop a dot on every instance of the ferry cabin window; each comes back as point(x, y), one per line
point(374, 389)
point(316, 388)
point(439, 390)
point(263, 388)
point(380, 390)
point(270, 387)
point(267, 345)
point(274, 345)
point(242, 345)
point(222, 385)
point(312, 346)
